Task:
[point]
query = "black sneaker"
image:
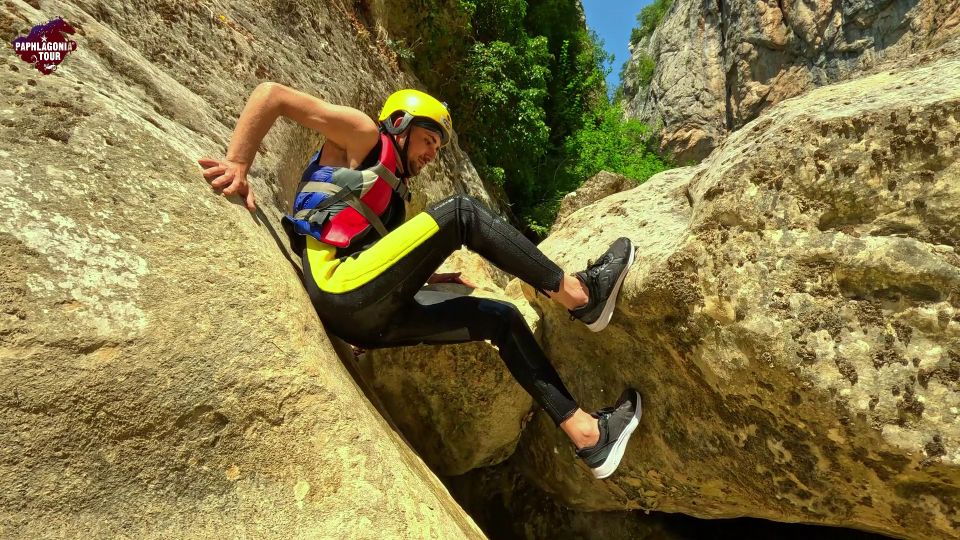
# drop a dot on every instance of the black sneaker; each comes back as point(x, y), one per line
point(602, 280)
point(617, 423)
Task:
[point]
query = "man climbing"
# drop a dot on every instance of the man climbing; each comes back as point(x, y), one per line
point(364, 265)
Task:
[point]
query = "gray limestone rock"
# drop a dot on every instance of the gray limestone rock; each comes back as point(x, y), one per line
point(603, 184)
point(792, 322)
point(162, 372)
point(720, 64)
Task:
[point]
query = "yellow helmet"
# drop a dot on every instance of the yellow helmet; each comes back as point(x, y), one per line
point(415, 106)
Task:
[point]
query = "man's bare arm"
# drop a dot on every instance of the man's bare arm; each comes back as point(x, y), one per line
point(346, 127)
point(349, 129)
point(255, 121)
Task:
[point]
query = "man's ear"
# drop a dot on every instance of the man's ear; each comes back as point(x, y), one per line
point(396, 123)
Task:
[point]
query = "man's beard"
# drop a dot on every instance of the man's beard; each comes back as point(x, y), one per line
point(412, 168)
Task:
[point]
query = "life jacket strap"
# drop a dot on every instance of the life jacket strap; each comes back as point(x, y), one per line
point(387, 175)
point(319, 187)
point(365, 211)
point(337, 194)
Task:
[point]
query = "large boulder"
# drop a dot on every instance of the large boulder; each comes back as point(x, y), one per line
point(792, 321)
point(719, 65)
point(162, 372)
point(603, 184)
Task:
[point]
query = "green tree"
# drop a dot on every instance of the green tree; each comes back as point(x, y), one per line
point(499, 20)
point(610, 142)
point(505, 87)
point(525, 81)
point(648, 19)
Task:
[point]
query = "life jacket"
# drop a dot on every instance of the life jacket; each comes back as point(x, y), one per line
point(337, 204)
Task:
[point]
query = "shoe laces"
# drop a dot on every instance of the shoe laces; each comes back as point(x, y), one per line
point(593, 268)
point(606, 411)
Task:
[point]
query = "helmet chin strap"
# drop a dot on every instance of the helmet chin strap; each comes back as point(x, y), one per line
point(403, 154)
point(402, 151)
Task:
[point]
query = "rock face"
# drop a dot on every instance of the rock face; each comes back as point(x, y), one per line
point(793, 320)
point(720, 64)
point(162, 373)
point(603, 184)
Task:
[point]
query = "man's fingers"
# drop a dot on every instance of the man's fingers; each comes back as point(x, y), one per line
point(234, 187)
point(457, 277)
point(213, 172)
point(218, 174)
point(467, 282)
point(223, 180)
point(454, 277)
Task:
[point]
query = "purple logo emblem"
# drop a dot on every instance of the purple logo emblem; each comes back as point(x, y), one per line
point(46, 45)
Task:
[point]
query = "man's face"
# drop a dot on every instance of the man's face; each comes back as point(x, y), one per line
point(422, 148)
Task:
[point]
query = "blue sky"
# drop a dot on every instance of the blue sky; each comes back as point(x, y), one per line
point(612, 20)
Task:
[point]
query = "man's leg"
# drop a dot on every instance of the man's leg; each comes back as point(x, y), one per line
point(466, 222)
point(389, 309)
point(436, 317)
point(430, 237)
point(590, 296)
point(371, 288)
point(400, 263)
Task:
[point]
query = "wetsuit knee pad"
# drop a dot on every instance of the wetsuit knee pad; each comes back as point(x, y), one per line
point(503, 311)
point(465, 214)
point(456, 205)
point(505, 317)
point(468, 200)
point(466, 221)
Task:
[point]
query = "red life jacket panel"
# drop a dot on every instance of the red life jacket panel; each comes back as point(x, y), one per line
point(346, 224)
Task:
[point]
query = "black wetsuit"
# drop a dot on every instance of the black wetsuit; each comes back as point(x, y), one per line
point(371, 295)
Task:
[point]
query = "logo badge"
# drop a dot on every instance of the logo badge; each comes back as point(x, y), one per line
point(46, 45)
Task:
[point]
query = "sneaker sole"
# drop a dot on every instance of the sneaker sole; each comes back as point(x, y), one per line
point(604, 319)
point(616, 453)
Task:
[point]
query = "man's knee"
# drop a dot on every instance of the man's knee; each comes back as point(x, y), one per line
point(505, 316)
point(453, 205)
point(462, 201)
point(470, 201)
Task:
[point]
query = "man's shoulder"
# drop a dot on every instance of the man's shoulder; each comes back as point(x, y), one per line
point(361, 155)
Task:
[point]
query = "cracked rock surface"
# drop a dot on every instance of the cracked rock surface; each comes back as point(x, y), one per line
point(162, 372)
point(720, 64)
point(792, 322)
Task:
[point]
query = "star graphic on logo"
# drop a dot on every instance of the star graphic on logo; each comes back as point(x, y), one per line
point(44, 39)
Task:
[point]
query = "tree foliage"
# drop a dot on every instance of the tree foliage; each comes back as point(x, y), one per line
point(608, 142)
point(644, 68)
point(526, 86)
point(648, 19)
point(503, 111)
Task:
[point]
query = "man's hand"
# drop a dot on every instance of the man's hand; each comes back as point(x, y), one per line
point(229, 176)
point(453, 277)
